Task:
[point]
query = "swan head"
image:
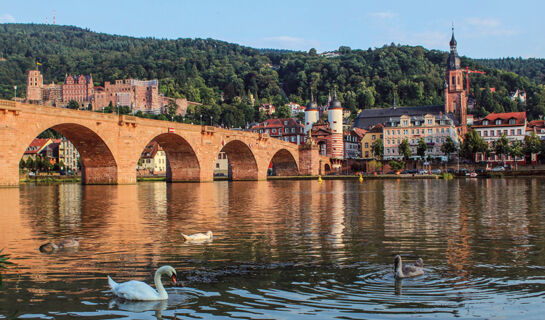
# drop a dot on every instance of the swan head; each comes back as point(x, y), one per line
point(169, 271)
point(397, 262)
point(209, 234)
point(419, 263)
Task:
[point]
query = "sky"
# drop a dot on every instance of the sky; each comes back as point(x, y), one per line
point(483, 29)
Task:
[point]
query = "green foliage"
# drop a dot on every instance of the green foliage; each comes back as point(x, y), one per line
point(378, 149)
point(532, 144)
point(396, 165)
point(73, 104)
point(502, 146)
point(405, 149)
point(446, 176)
point(421, 148)
point(282, 112)
point(473, 143)
point(449, 147)
point(204, 70)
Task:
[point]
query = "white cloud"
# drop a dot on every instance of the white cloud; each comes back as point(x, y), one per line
point(384, 15)
point(482, 27)
point(6, 17)
point(288, 42)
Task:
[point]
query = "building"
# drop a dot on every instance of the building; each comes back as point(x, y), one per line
point(287, 129)
point(52, 94)
point(433, 129)
point(68, 155)
point(139, 95)
point(311, 114)
point(34, 87)
point(335, 118)
point(352, 143)
point(153, 159)
point(295, 109)
point(36, 148)
point(268, 108)
point(80, 89)
point(221, 167)
point(537, 126)
point(519, 95)
point(511, 125)
point(454, 107)
point(368, 140)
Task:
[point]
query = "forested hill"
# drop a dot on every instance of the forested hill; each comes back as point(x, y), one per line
point(532, 68)
point(202, 69)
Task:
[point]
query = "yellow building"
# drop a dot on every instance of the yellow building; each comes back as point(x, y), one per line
point(153, 159)
point(369, 138)
point(221, 168)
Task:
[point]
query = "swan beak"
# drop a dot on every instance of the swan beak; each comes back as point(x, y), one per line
point(174, 278)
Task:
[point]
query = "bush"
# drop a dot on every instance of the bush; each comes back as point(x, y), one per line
point(397, 165)
point(447, 176)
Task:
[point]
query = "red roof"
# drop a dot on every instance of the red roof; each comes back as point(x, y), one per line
point(359, 131)
point(519, 116)
point(36, 145)
point(536, 123)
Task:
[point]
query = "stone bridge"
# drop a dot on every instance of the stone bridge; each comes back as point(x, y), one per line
point(110, 146)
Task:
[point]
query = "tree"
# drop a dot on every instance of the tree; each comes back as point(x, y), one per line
point(473, 144)
point(397, 165)
point(532, 144)
point(378, 149)
point(171, 109)
point(516, 151)
point(21, 164)
point(502, 146)
point(405, 149)
point(421, 149)
point(30, 165)
point(73, 104)
point(449, 147)
point(283, 112)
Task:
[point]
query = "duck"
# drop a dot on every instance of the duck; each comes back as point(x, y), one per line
point(319, 179)
point(71, 243)
point(140, 291)
point(49, 247)
point(406, 271)
point(361, 178)
point(198, 237)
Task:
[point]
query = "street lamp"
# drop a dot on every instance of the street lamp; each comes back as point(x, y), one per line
point(210, 120)
point(201, 120)
point(15, 93)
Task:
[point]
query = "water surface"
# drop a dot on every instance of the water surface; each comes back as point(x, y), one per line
point(281, 249)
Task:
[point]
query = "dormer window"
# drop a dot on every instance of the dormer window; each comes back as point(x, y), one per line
point(498, 122)
point(511, 121)
point(485, 122)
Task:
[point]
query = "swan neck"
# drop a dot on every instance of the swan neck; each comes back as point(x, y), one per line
point(399, 269)
point(159, 285)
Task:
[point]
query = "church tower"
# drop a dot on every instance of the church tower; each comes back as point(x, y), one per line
point(455, 95)
point(335, 118)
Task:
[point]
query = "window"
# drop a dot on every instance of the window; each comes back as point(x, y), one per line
point(485, 122)
point(412, 131)
point(499, 133)
point(430, 131)
point(273, 130)
point(519, 131)
point(429, 121)
point(373, 137)
point(366, 145)
point(498, 122)
point(492, 133)
point(486, 133)
point(511, 121)
point(285, 123)
point(219, 156)
point(217, 165)
point(405, 122)
point(292, 130)
point(512, 132)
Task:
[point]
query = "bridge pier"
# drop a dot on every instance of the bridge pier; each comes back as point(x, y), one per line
point(101, 175)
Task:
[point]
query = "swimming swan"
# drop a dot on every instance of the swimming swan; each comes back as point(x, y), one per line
point(406, 271)
point(138, 290)
point(198, 237)
point(50, 247)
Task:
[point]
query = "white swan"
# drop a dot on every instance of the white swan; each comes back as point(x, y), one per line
point(71, 243)
point(198, 237)
point(401, 271)
point(138, 290)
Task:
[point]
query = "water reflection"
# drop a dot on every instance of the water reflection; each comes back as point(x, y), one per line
point(280, 248)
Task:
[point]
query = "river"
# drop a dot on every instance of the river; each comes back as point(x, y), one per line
point(281, 249)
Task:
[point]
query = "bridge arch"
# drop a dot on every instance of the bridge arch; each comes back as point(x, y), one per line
point(182, 161)
point(284, 163)
point(242, 162)
point(99, 165)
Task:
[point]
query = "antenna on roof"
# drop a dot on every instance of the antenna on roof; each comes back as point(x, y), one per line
point(53, 16)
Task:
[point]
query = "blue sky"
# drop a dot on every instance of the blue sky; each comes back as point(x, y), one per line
point(484, 29)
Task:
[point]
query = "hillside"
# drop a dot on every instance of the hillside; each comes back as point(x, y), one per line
point(202, 69)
